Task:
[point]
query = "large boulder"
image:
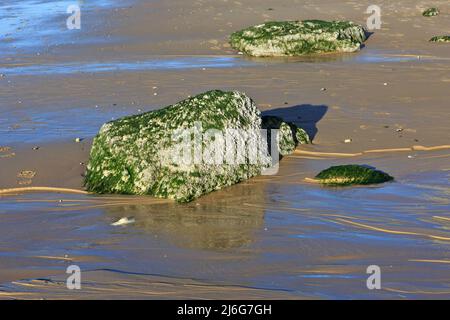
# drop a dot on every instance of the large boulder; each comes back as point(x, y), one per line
point(296, 38)
point(183, 151)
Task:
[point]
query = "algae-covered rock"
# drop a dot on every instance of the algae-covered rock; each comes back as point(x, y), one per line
point(141, 154)
point(296, 38)
point(440, 39)
point(288, 136)
point(431, 12)
point(352, 175)
point(302, 136)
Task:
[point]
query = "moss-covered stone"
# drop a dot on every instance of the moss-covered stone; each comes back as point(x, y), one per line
point(440, 39)
point(295, 38)
point(289, 135)
point(130, 155)
point(352, 175)
point(431, 12)
point(302, 136)
point(134, 155)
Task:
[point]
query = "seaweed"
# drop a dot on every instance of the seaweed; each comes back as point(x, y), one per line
point(346, 175)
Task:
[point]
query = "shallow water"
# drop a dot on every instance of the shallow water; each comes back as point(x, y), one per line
point(274, 234)
point(54, 121)
point(196, 62)
point(33, 25)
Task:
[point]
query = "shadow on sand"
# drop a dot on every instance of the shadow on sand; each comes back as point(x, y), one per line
point(305, 116)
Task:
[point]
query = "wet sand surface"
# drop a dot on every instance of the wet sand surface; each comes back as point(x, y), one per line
point(270, 237)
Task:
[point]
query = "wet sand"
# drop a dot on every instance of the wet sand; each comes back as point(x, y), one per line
point(270, 237)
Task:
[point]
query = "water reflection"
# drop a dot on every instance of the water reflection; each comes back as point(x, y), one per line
point(217, 221)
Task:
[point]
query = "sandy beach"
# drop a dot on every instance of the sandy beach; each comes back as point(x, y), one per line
point(270, 237)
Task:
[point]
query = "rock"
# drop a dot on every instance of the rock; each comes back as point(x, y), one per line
point(352, 175)
point(139, 155)
point(295, 38)
point(302, 136)
point(289, 135)
point(440, 39)
point(123, 221)
point(431, 12)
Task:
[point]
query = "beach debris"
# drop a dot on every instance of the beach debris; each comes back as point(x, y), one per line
point(352, 174)
point(123, 222)
point(440, 39)
point(323, 89)
point(348, 141)
point(138, 154)
point(295, 38)
point(36, 148)
point(4, 149)
point(431, 12)
point(78, 140)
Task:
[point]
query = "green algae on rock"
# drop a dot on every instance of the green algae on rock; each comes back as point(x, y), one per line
point(289, 135)
point(296, 38)
point(136, 154)
point(440, 39)
point(347, 175)
point(431, 12)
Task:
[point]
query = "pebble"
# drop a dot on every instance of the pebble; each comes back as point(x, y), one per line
point(323, 89)
point(123, 222)
point(36, 148)
point(348, 141)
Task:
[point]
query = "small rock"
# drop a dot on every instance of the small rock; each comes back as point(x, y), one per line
point(348, 141)
point(123, 222)
point(347, 175)
point(78, 140)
